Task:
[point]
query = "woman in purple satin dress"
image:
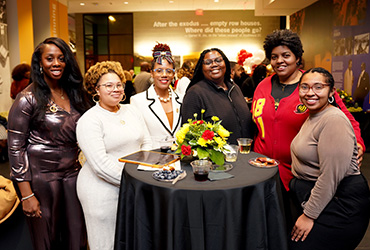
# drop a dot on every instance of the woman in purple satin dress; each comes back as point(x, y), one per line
point(43, 147)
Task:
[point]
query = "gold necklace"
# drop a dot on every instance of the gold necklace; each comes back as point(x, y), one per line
point(61, 94)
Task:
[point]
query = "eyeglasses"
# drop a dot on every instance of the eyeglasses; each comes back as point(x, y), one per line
point(317, 87)
point(111, 86)
point(217, 60)
point(169, 72)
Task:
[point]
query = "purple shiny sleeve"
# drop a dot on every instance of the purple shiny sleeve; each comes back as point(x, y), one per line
point(18, 133)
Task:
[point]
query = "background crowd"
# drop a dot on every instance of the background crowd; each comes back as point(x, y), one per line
point(292, 115)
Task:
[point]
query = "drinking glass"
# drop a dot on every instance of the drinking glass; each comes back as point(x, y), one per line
point(245, 145)
point(201, 169)
point(231, 154)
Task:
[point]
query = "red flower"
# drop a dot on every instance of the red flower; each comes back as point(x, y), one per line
point(186, 150)
point(208, 135)
point(198, 122)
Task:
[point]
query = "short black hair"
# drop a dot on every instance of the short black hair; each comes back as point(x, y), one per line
point(284, 37)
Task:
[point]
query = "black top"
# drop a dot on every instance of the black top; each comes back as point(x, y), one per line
point(280, 90)
point(228, 105)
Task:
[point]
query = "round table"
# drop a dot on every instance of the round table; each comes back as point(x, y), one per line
point(234, 214)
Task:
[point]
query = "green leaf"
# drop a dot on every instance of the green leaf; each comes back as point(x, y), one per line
point(193, 143)
point(217, 157)
point(202, 153)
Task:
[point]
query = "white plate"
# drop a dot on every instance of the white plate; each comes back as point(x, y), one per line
point(255, 163)
point(226, 167)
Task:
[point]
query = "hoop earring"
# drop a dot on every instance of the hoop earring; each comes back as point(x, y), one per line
point(41, 71)
point(331, 99)
point(94, 99)
point(124, 98)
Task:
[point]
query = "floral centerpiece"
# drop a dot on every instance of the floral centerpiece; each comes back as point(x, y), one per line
point(203, 139)
point(348, 101)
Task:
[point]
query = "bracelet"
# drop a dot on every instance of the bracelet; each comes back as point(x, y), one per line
point(27, 197)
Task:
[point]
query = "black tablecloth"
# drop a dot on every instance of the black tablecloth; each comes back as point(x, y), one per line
point(234, 214)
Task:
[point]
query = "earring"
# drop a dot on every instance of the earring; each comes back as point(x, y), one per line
point(331, 99)
point(124, 98)
point(151, 80)
point(41, 71)
point(94, 98)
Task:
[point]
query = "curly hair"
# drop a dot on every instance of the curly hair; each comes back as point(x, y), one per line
point(71, 81)
point(198, 72)
point(283, 38)
point(127, 74)
point(162, 47)
point(96, 71)
point(187, 70)
point(20, 71)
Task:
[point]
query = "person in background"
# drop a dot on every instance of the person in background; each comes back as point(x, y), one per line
point(160, 105)
point(132, 73)
point(211, 89)
point(348, 78)
point(331, 191)
point(362, 87)
point(278, 111)
point(184, 75)
point(21, 79)
point(250, 84)
point(105, 133)
point(143, 81)
point(129, 88)
point(43, 147)
point(238, 74)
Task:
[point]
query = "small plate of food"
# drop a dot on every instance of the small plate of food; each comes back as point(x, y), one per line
point(169, 174)
point(263, 162)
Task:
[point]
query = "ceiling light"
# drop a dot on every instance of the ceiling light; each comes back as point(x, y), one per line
point(171, 1)
point(82, 4)
point(111, 18)
point(125, 2)
point(216, 1)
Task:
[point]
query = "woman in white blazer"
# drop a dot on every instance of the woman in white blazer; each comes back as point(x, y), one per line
point(160, 105)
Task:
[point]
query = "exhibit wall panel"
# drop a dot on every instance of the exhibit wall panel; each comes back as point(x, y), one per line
point(189, 34)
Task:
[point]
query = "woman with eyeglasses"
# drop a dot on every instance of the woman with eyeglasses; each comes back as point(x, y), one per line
point(160, 105)
point(105, 133)
point(43, 147)
point(212, 90)
point(277, 109)
point(333, 196)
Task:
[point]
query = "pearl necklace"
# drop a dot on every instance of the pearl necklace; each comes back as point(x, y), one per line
point(166, 99)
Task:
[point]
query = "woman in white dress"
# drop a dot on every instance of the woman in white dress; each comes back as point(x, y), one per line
point(105, 133)
point(160, 105)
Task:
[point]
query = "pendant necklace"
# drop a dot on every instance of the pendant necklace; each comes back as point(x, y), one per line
point(283, 86)
point(120, 120)
point(61, 94)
